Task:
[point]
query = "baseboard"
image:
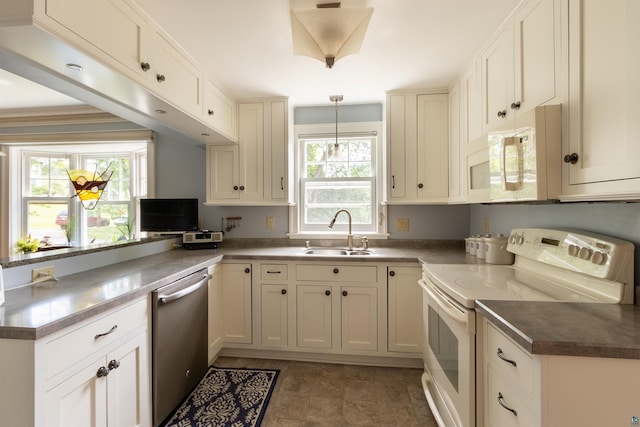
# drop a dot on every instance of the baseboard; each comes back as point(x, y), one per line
point(412, 361)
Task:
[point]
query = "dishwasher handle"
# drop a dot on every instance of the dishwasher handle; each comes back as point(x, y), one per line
point(165, 299)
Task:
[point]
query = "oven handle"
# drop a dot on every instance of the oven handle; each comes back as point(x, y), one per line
point(454, 312)
point(164, 299)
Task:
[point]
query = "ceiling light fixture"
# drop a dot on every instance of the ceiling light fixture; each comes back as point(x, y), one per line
point(336, 99)
point(329, 32)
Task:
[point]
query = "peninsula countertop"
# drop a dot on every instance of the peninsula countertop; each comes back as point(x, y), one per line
point(568, 329)
point(34, 311)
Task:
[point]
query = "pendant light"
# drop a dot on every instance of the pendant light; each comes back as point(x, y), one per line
point(336, 99)
point(329, 32)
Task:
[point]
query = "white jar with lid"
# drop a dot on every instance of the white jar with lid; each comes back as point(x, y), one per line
point(481, 247)
point(496, 250)
point(473, 240)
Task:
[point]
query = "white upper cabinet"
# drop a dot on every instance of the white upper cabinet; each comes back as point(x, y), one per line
point(603, 146)
point(113, 27)
point(457, 185)
point(418, 135)
point(220, 110)
point(129, 66)
point(176, 77)
point(521, 65)
point(254, 172)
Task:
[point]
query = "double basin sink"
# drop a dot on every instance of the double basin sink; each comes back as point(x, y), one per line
point(336, 251)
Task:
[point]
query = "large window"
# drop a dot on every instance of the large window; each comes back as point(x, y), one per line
point(338, 174)
point(43, 203)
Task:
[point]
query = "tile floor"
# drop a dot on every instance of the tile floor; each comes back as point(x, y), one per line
point(323, 394)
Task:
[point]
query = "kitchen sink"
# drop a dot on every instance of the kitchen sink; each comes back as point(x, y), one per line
point(335, 251)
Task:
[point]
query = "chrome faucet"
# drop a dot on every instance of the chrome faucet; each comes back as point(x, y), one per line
point(349, 236)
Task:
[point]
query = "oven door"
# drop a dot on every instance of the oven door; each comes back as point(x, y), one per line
point(449, 357)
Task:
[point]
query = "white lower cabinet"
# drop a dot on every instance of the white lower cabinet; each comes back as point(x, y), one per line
point(523, 389)
point(405, 309)
point(236, 303)
point(214, 311)
point(105, 392)
point(274, 315)
point(359, 310)
point(314, 316)
point(94, 373)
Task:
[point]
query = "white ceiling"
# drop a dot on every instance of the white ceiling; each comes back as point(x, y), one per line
point(246, 45)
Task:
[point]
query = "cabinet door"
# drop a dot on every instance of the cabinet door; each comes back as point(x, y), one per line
point(603, 91)
point(112, 26)
point(537, 54)
point(275, 151)
point(128, 384)
point(219, 110)
point(405, 309)
point(456, 158)
point(236, 303)
point(400, 141)
point(313, 315)
point(432, 148)
point(178, 79)
point(471, 106)
point(215, 314)
point(80, 401)
point(497, 81)
point(275, 306)
point(359, 306)
point(251, 145)
point(223, 172)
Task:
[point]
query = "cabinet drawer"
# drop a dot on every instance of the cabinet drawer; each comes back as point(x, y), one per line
point(86, 340)
point(500, 393)
point(273, 272)
point(337, 273)
point(500, 345)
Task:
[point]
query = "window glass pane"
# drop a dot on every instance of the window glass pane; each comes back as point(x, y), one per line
point(47, 222)
point(119, 186)
point(48, 176)
point(108, 222)
point(322, 199)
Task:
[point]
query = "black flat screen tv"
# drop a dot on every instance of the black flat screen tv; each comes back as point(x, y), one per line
point(168, 215)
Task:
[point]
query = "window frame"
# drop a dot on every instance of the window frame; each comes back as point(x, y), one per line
point(80, 147)
point(296, 226)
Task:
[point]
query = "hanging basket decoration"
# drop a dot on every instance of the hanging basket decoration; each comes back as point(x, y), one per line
point(89, 185)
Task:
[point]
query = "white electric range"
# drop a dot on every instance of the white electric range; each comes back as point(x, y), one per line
point(550, 265)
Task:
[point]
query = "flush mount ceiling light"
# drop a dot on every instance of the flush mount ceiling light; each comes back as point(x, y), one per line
point(329, 32)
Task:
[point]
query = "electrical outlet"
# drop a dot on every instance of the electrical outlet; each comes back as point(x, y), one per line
point(485, 226)
point(37, 273)
point(270, 222)
point(402, 224)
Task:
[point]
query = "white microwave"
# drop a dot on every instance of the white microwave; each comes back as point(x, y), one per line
point(525, 163)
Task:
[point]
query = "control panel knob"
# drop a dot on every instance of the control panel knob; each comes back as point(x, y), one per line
point(599, 258)
point(573, 250)
point(585, 253)
point(519, 239)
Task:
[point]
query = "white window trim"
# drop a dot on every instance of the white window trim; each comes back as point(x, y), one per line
point(11, 165)
point(330, 128)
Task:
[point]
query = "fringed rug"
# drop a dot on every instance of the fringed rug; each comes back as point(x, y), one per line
point(227, 397)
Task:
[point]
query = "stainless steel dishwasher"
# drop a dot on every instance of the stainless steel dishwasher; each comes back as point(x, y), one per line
point(179, 341)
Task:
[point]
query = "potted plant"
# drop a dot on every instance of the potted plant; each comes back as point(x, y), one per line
point(28, 245)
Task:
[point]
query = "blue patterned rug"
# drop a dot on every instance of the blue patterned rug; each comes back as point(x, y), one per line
point(227, 397)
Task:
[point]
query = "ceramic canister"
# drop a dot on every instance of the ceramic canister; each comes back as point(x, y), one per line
point(497, 252)
point(472, 248)
point(481, 247)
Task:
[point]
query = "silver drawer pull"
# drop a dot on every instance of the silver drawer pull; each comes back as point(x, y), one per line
point(274, 272)
point(501, 356)
point(110, 331)
point(504, 405)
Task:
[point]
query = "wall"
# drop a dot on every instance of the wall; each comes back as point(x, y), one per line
point(621, 220)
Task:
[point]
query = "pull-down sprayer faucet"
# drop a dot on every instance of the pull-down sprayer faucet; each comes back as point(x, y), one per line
point(349, 236)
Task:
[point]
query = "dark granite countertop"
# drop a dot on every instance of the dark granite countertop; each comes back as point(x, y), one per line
point(569, 329)
point(32, 312)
